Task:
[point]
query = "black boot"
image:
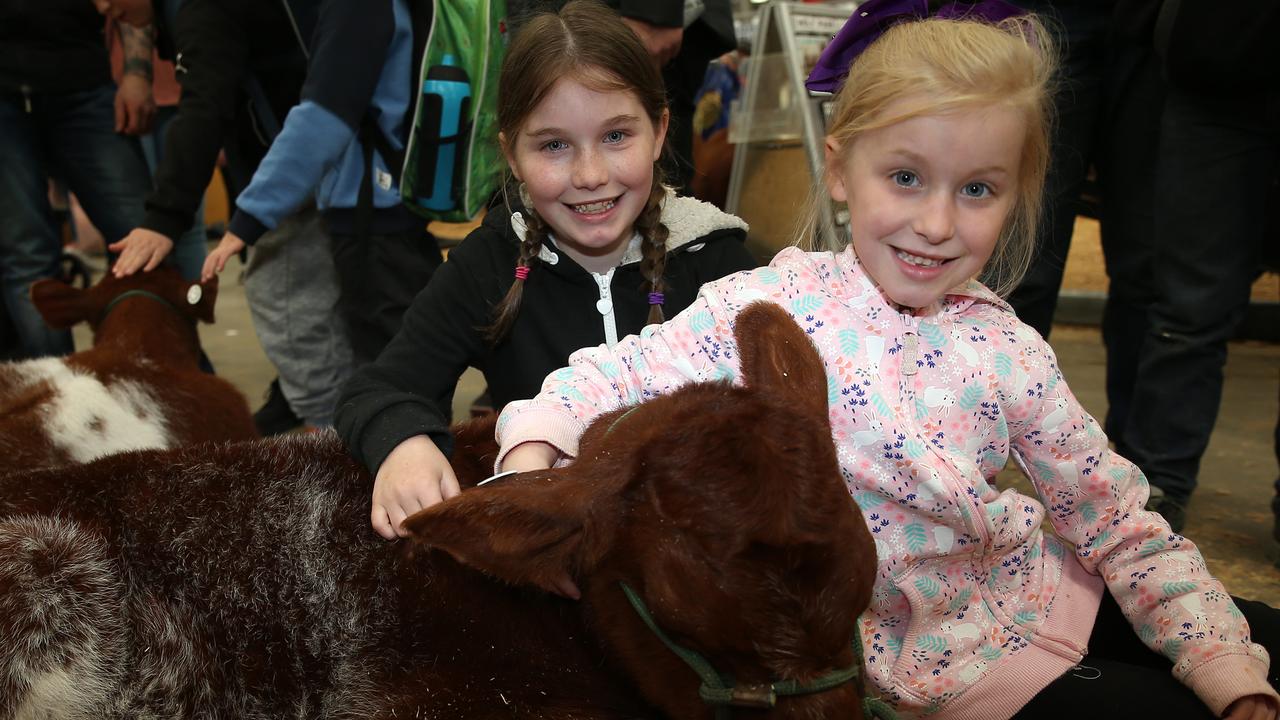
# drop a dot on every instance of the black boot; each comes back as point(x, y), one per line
point(275, 417)
point(1173, 509)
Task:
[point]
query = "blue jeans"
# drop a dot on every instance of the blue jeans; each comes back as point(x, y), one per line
point(71, 136)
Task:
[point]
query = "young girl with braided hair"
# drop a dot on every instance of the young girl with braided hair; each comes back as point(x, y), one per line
point(1071, 601)
point(588, 249)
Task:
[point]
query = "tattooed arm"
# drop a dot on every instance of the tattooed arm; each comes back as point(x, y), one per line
point(135, 107)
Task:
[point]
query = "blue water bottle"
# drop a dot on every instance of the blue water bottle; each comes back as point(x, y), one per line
point(446, 105)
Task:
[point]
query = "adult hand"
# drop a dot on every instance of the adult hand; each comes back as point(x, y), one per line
point(530, 456)
point(1253, 707)
point(415, 476)
point(135, 106)
point(141, 249)
point(229, 245)
point(663, 43)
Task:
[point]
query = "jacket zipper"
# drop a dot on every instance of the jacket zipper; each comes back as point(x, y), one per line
point(26, 97)
point(605, 306)
point(910, 355)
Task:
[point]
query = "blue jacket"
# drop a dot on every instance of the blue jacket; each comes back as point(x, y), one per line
point(360, 64)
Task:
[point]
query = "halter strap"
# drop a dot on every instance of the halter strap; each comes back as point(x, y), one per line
point(135, 293)
point(719, 691)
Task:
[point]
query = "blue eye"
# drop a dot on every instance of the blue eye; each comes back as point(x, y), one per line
point(976, 190)
point(554, 145)
point(905, 178)
point(615, 136)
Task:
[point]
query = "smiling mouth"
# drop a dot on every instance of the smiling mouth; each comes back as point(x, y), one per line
point(594, 208)
point(919, 260)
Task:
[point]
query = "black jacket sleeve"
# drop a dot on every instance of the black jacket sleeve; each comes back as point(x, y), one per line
point(408, 390)
point(214, 58)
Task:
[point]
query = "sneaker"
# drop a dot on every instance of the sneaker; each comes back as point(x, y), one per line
point(1173, 510)
point(275, 417)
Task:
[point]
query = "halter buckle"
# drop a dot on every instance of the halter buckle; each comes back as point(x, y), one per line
point(753, 696)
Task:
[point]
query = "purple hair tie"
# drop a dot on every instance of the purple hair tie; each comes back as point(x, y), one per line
point(873, 17)
point(655, 298)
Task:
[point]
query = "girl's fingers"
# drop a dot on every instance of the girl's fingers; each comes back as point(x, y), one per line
point(397, 515)
point(449, 485)
point(382, 522)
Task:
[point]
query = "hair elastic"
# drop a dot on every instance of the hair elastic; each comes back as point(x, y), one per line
point(522, 272)
point(655, 298)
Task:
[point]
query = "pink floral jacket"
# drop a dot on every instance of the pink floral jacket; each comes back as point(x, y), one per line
point(984, 596)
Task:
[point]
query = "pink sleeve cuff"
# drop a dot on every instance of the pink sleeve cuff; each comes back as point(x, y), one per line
point(557, 429)
point(1223, 680)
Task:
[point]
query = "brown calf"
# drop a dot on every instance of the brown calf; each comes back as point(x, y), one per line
point(139, 386)
point(244, 581)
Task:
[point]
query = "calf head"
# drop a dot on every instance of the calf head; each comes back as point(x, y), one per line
point(724, 510)
point(63, 306)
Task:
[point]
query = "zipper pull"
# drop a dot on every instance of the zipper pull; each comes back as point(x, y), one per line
point(26, 97)
point(910, 348)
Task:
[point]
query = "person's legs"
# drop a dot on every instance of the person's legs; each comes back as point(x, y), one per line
point(380, 276)
point(1127, 147)
point(1218, 157)
point(106, 171)
point(1077, 103)
point(29, 244)
point(292, 290)
point(1275, 499)
point(1121, 677)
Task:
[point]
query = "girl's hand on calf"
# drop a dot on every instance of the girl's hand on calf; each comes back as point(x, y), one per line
point(415, 476)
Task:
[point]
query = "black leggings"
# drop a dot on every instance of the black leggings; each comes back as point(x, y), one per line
point(1122, 678)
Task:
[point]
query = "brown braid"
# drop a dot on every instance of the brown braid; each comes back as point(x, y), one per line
point(505, 312)
point(654, 234)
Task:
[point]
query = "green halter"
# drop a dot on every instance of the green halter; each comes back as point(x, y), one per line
point(135, 293)
point(719, 691)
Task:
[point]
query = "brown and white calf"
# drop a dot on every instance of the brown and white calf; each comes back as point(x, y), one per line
point(243, 580)
point(139, 386)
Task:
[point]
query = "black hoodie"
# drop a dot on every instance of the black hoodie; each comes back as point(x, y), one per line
point(409, 389)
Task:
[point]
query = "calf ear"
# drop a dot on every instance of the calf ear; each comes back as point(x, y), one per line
point(528, 529)
point(778, 357)
point(61, 305)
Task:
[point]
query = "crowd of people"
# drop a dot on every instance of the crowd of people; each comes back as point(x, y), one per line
point(961, 139)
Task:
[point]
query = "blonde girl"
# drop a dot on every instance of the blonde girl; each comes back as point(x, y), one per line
point(986, 598)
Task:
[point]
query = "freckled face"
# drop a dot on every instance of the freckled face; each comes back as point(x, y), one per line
point(586, 158)
point(928, 197)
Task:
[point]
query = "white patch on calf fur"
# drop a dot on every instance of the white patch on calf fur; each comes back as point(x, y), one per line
point(87, 419)
point(55, 694)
